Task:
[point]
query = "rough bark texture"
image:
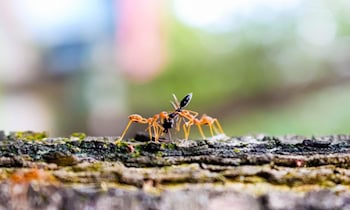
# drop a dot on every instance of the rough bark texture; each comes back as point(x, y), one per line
point(249, 172)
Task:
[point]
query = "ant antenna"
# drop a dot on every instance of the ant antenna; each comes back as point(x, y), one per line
point(174, 105)
point(176, 101)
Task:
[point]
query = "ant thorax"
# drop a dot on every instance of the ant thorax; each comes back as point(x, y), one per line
point(168, 124)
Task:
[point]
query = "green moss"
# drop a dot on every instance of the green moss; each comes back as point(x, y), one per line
point(121, 144)
point(91, 167)
point(29, 135)
point(235, 150)
point(138, 148)
point(135, 154)
point(72, 148)
point(170, 146)
point(78, 135)
point(65, 139)
point(69, 145)
point(62, 159)
point(254, 179)
point(220, 178)
point(159, 154)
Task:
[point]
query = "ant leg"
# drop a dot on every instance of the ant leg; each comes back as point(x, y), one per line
point(219, 126)
point(216, 129)
point(195, 114)
point(169, 135)
point(149, 132)
point(186, 131)
point(201, 131)
point(124, 132)
point(157, 131)
point(178, 124)
point(211, 129)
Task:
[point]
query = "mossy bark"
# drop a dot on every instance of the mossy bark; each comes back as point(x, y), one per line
point(249, 172)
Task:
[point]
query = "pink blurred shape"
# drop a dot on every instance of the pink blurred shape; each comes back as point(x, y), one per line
point(141, 40)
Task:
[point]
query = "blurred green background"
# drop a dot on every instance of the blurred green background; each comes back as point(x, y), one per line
point(268, 66)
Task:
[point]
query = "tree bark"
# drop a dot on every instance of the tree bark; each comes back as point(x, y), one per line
point(248, 172)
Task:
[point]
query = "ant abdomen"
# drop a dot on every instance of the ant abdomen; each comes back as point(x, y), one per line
point(186, 100)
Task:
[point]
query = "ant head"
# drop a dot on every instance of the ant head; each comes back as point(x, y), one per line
point(172, 115)
point(168, 123)
point(186, 100)
point(163, 115)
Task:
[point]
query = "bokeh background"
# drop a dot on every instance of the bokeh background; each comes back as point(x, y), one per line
point(259, 66)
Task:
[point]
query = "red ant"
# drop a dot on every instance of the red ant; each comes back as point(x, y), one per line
point(190, 116)
point(213, 124)
point(151, 121)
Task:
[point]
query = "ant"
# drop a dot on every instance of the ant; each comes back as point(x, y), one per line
point(179, 111)
point(190, 116)
point(151, 121)
point(213, 124)
point(173, 117)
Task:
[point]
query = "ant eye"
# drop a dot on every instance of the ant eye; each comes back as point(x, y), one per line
point(186, 100)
